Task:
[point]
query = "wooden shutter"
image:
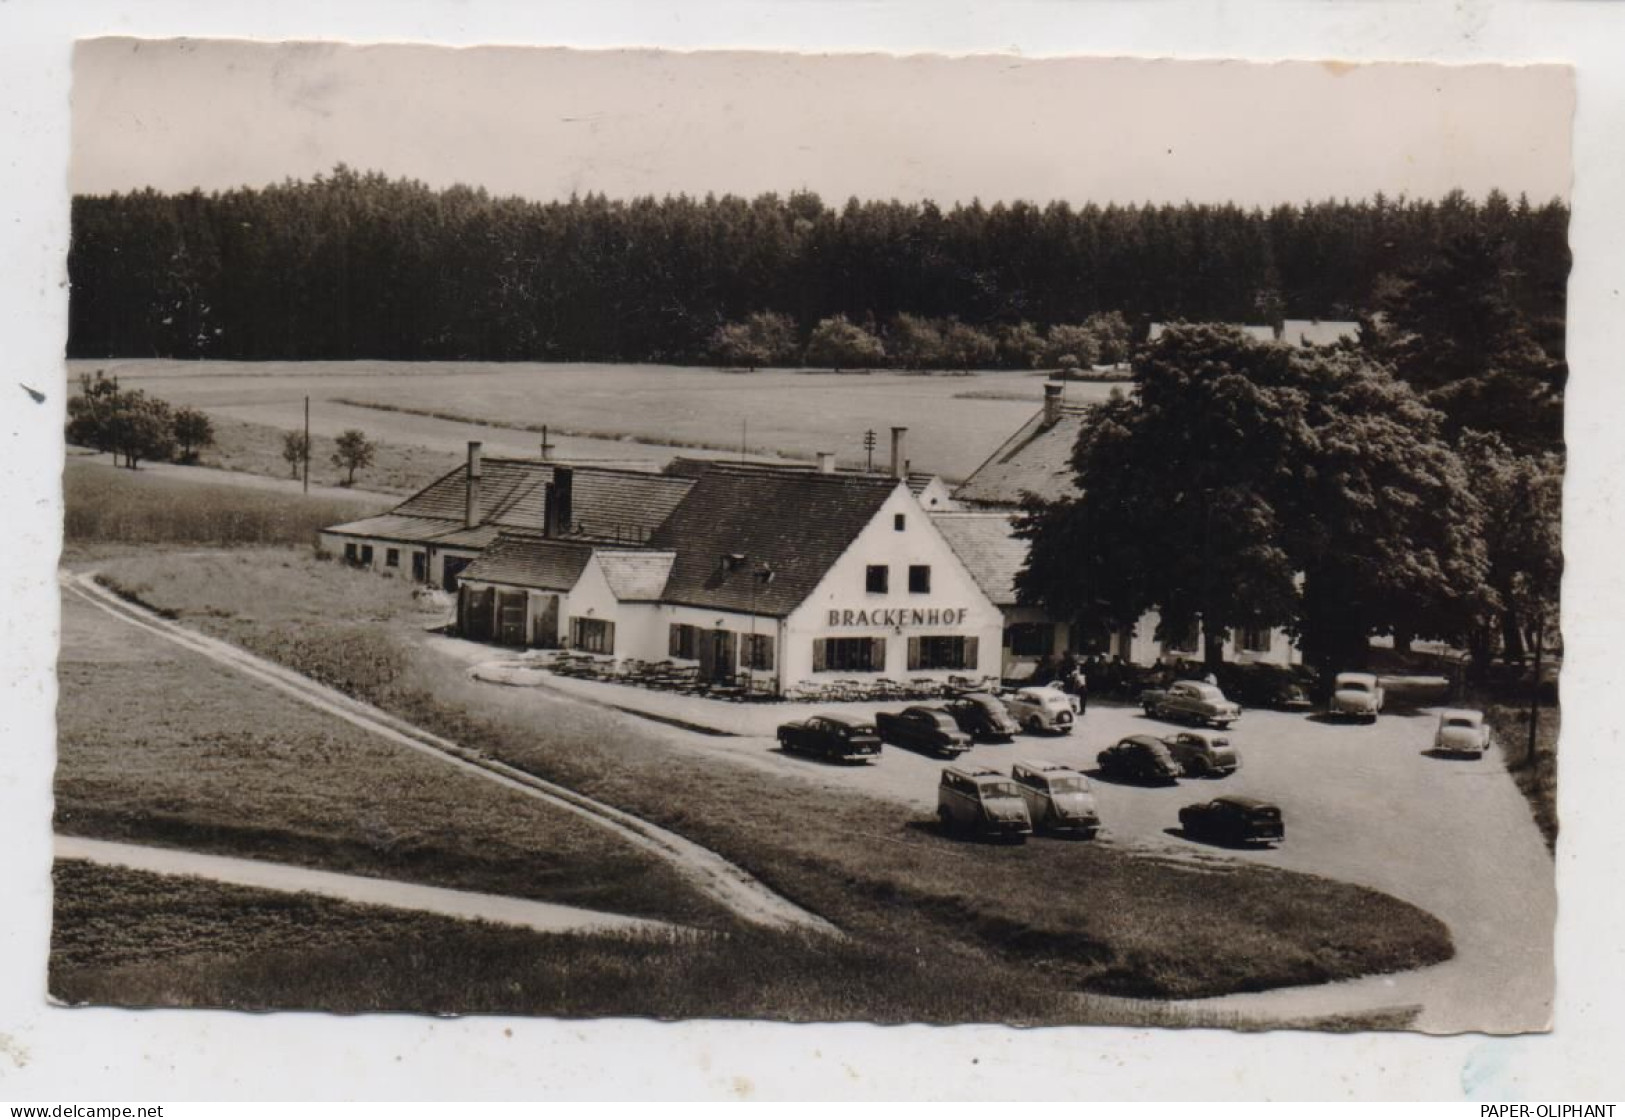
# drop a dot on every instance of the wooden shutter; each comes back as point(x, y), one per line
point(877, 654)
point(766, 649)
point(913, 654)
point(674, 648)
point(820, 655)
point(973, 652)
point(609, 637)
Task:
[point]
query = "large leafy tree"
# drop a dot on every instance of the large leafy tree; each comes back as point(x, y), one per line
point(1247, 484)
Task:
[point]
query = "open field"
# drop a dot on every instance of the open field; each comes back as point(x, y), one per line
point(954, 421)
point(1144, 926)
point(157, 745)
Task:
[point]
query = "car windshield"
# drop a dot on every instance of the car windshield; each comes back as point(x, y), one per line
point(1068, 785)
point(999, 789)
point(1460, 722)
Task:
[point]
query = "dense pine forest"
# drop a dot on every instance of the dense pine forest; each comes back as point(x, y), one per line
point(352, 265)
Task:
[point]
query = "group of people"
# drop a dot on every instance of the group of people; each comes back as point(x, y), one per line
point(1067, 674)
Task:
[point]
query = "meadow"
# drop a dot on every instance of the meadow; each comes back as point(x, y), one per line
point(614, 411)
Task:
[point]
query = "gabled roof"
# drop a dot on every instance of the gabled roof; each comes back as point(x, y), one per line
point(1036, 460)
point(527, 560)
point(796, 523)
point(607, 503)
point(986, 544)
point(635, 576)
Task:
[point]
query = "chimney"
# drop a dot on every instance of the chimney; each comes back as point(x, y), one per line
point(897, 435)
point(826, 462)
point(471, 491)
point(547, 448)
point(559, 518)
point(1053, 392)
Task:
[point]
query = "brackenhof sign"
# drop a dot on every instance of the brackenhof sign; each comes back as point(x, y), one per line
point(900, 616)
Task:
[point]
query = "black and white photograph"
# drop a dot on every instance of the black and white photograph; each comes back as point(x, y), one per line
point(755, 536)
point(653, 557)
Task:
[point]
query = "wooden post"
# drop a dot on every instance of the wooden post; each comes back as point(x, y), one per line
point(307, 445)
point(1534, 694)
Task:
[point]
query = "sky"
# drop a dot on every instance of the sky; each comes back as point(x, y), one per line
point(546, 123)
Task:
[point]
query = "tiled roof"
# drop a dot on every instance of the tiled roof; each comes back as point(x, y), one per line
point(687, 466)
point(1036, 460)
point(636, 576)
point(985, 543)
point(797, 523)
point(395, 527)
point(526, 560)
point(607, 502)
point(1318, 332)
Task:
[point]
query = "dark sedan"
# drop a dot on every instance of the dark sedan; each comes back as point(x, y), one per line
point(831, 735)
point(1139, 758)
point(981, 715)
point(1233, 820)
point(923, 729)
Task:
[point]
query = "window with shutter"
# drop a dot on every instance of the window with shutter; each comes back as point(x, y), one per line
point(877, 655)
point(973, 653)
point(674, 646)
point(820, 655)
point(913, 654)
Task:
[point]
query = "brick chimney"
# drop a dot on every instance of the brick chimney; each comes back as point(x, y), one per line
point(897, 467)
point(471, 491)
point(558, 520)
point(1054, 391)
point(826, 462)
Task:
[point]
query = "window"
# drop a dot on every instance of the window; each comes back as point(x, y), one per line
point(685, 642)
point(392, 557)
point(366, 555)
point(942, 652)
point(592, 635)
point(1030, 639)
point(757, 652)
point(1255, 639)
point(849, 655)
point(919, 579)
point(877, 579)
point(350, 554)
point(899, 522)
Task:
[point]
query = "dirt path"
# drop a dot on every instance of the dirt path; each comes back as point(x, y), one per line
point(729, 885)
point(547, 917)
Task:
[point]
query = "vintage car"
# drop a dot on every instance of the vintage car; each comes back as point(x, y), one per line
point(1190, 702)
point(982, 715)
point(1356, 696)
point(1461, 732)
point(982, 801)
point(1041, 708)
point(1058, 798)
point(1203, 754)
point(1233, 820)
point(1280, 687)
point(1139, 758)
point(923, 729)
point(831, 735)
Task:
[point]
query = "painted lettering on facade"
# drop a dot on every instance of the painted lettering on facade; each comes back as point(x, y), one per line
point(899, 616)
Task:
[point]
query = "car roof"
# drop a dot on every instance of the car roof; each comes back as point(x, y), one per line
point(1462, 713)
point(972, 772)
point(1143, 740)
point(1357, 677)
point(1038, 766)
point(848, 718)
point(1243, 802)
point(1042, 689)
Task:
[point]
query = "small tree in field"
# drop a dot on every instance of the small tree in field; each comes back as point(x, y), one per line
point(193, 432)
point(295, 449)
point(839, 343)
point(354, 451)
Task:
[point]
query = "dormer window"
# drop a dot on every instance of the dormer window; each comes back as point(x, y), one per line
point(732, 561)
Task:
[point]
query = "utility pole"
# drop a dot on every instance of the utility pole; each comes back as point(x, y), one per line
point(744, 434)
point(869, 451)
point(307, 445)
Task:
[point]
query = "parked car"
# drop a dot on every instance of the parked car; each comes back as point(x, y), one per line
point(1194, 702)
point(1285, 688)
point(1356, 696)
point(1203, 754)
point(833, 735)
point(1461, 732)
point(1233, 820)
point(1140, 758)
point(923, 729)
point(1041, 708)
point(1058, 798)
point(983, 801)
point(982, 715)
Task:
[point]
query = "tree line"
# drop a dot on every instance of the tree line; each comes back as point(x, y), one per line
point(352, 265)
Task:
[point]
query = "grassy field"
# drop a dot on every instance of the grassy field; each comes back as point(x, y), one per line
point(132, 939)
point(158, 745)
point(1087, 916)
point(107, 506)
point(954, 421)
point(1537, 776)
point(257, 449)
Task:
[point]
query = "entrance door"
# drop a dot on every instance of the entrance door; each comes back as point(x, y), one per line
point(546, 634)
point(511, 612)
point(476, 612)
point(719, 655)
point(450, 568)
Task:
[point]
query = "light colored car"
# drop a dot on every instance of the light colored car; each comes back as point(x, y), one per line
point(1195, 702)
point(1356, 696)
point(1041, 708)
point(1058, 798)
point(1203, 754)
point(983, 801)
point(1461, 732)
